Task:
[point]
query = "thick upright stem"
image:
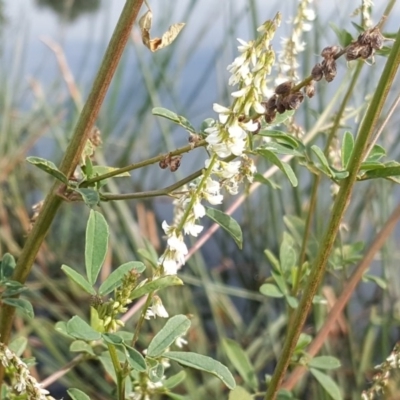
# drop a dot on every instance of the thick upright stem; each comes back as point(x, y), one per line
point(71, 158)
point(366, 130)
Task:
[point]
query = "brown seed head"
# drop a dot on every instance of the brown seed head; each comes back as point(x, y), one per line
point(329, 68)
point(175, 163)
point(271, 103)
point(330, 51)
point(309, 90)
point(284, 88)
point(294, 100)
point(353, 52)
point(317, 72)
point(280, 105)
point(269, 116)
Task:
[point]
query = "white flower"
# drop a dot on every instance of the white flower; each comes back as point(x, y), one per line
point(198, 210)
point(191, 228)
point(177, 244)
point(211, 192)
point(180, 342)
point(157, 309)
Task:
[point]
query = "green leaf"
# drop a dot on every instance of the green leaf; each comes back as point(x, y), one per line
point(273, 260)
point(343, 36)
point(175, 380)
point(7, 266)
point(376, 153)
point(102, 170)
point(371, 165)
point(158, 284)
point(282, 118)
point(226, 222)
point(382, 173)
point(280, 281)
point(270, 290)
point(79, 329)
point(135, 359)
point(292, 301)
point(77, 394)
point(324, 162)
point(174, 328)
point(165, 113)
point(186, 124)
point(80, 346)
point(281, 136)
point(96, 245)
point(13, 288)
point(48, 167)
point(284, 167)
point(327, 383)
point(287, 253)
point(61, 327)
point(90, 196)
point(324, 362)
point(21, 305)
point(376, 279)
point(238, 357)
point(281, 149)
point(78, 279)
point(347, 148)
point(112, 338)
point(18, 345)
point(203, 363)
point(156, 373)
point(303, 342)
point(115, 278)
point(262, 179)
point(240, 393)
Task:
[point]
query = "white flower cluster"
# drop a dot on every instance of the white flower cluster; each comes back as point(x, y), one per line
point(227, 138)
point(25, 383)
point(365, 10)
point(294, 44)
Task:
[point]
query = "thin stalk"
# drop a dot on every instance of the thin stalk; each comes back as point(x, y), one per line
point(144, 163)
point(71, 157)
point(118, 371)
point(366, 130)
point(317, 179)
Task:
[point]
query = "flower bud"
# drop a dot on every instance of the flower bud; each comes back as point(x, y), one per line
point(317, 72)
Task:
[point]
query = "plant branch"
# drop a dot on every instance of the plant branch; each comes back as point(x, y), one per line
point(152, 193)
point(348, 290)
point(72, 155)
point(367, 127)
point(144, 163)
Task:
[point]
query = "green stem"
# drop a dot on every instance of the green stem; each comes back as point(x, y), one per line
point(317, 178)
point(142, 164)
point(365, 132)
point(118, 371)
point(151, 193)
point(71, 158)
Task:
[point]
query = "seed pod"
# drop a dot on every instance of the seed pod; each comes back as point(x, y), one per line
point(330, 51)
point(280, 107)
point(353, 52)
point(165, 161)
point(175, 163)
point(329, 69)
point(271, 103)
point(366, 52)
point(269, 116)
point(309, 90)
point(294, 100)
point(364, 38)
point(284, 88)
point(317, 72)
point(377, 39)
